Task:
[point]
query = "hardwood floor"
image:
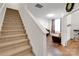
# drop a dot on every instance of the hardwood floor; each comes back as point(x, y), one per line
point(72, 48)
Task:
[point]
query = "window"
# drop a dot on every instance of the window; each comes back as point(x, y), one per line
point(57, 25)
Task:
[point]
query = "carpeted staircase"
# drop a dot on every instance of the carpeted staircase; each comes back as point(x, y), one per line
point(13, 38)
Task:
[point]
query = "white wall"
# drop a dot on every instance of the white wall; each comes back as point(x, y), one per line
point(65, 30)
point(71, 18)
point(13, 5)
point(36, 33)
point(75, 22)
point(2, 13)
point(44, 23)
point(57, 25)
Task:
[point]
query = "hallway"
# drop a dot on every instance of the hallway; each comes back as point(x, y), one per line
point(23, 31)
point(72, 48)
point(13, 39)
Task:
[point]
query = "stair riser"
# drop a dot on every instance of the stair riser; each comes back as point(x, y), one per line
point(13, 46)
point(11, 19)
point(12, 28)
point(19, 23)
point(12, 38)
point(12, 33)
point(3, 32)
point(17, 16)
point(12, 25)
point(25, 52)
point(10, 16)
point(11, 22)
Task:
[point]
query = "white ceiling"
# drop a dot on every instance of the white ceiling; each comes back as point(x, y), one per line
point(56, 8)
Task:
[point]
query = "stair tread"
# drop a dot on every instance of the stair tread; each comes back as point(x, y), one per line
point(27, 54)
point(11, 35)
point(10, 30)
point(15, 50)
point(12, 26)
point(12, 42)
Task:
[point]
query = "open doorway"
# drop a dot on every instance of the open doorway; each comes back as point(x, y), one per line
point(54, 37)
point(55, 31)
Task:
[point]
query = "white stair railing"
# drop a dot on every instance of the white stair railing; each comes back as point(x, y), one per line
point(35, 32)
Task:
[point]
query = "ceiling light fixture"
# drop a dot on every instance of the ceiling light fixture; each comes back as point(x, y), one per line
point(50, 15)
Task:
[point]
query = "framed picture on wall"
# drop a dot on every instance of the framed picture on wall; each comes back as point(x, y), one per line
point(69, 7)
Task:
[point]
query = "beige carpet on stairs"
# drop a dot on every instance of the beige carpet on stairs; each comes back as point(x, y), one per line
point(13, 38)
